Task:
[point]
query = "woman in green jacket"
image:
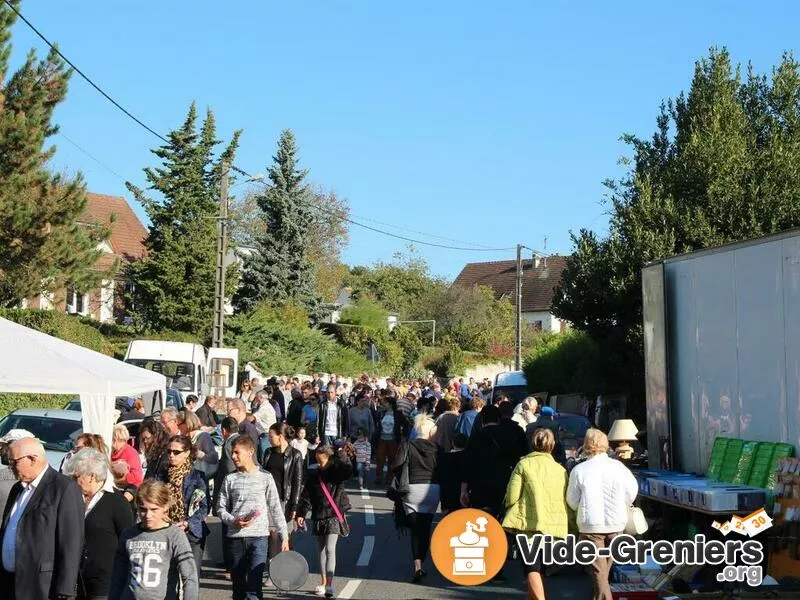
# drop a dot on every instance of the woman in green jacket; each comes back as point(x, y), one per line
point(536, 501)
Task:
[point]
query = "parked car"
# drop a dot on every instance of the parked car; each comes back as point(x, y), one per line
point(174, 399)
point(571, 432)
point(56, 429)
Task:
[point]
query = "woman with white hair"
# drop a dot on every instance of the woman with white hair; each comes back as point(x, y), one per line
point(525, 412)
point(122, 450)
point(601, 490)
point(108, 514)
point(420, 503)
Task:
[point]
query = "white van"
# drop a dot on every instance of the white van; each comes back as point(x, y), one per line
point(189, 368)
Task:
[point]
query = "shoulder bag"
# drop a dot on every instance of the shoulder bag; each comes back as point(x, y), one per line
point(339, 516)
point(637, 523)
point(398, 489)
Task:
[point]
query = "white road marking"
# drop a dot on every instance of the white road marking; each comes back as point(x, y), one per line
point(369, 515)
point(366, 551)
point(349, 589)
point(365, 494)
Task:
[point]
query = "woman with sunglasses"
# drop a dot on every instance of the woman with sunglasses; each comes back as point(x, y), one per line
point(189, 494)
point(244, 392)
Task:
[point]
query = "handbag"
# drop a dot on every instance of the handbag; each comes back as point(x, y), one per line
point(637, 524)
point(398, 489)
point(339, 516)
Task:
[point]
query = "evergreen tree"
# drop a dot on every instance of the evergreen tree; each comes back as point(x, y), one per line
point(42, 246)
point(174, 285)
point(279, 270)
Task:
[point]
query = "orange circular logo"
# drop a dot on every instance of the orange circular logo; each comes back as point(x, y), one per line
point(469, 547)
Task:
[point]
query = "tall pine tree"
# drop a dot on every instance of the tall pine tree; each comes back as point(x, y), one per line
point(279, 270)
point(174, 285)
point(42, 245)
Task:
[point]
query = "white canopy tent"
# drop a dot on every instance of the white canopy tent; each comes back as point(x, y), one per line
point(34, 362)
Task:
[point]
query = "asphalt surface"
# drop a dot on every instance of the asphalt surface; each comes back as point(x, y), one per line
point(374, 563)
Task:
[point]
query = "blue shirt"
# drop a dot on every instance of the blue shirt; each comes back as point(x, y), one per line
point(10, 537)
point(465, 391)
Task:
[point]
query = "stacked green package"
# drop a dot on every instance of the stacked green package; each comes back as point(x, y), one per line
point(745, 465)
point(733, 452)
point(760, 470)
point(781, 451)
point(717, 454)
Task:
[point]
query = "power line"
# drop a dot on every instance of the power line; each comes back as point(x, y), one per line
point(233, 167)
point(381, 231)
point(82, 74)
point(94, 158)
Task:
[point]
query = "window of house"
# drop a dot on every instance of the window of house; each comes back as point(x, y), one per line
point(76, 302)
point(537, 325)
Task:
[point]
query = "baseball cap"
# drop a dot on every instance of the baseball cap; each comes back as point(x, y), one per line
point(547, 410)
point(16, 434)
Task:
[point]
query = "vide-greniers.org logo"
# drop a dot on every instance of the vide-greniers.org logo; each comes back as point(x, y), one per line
point(627, 550)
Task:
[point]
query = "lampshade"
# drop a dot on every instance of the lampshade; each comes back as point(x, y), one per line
point(623, 430)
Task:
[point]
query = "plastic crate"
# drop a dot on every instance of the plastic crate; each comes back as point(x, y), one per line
point(759, 472)
point(733, 452)
point(746, 461)
point(781, 451)
point(717, 455)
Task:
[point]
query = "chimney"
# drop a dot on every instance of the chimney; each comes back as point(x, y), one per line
point(536, 261)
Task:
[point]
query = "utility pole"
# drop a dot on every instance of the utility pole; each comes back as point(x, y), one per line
point(222, 249)
point(518, 328)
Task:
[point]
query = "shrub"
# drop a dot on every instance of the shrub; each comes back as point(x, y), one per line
point(411, 347)
point(450, 362)
point(564, 363)
point(12, 402)
point(276, 342)
point(62, 326)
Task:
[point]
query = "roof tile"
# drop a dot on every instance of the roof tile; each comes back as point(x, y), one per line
point(538, 284)
point(127, 233)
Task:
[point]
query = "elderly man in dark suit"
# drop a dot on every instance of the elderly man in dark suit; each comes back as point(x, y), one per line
point(42, 531)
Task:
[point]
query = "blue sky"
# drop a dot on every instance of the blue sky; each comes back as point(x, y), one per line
point(491, 123)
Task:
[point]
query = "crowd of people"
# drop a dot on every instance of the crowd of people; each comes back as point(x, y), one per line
point(129, 520)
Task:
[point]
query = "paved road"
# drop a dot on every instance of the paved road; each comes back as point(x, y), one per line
point(374, 563)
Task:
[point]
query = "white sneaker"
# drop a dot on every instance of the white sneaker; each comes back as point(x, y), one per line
point(319, 590)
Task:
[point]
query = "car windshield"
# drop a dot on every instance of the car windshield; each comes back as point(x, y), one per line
point(515, 394)
point(573, 427)
point(181, 374)
point(55, 434)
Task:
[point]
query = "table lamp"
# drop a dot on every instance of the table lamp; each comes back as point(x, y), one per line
point(624, 431)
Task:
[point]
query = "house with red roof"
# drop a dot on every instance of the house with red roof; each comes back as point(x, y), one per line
point(540, 277)
point(126, 244)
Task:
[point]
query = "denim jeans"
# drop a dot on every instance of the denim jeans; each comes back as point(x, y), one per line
point(363, 470)
point(248, 561)
point(330, 440)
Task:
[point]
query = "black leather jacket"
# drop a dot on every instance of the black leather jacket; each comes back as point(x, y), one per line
point(293, 473)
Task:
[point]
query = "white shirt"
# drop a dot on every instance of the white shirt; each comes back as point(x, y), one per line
point(10, 537)
point(95, 499)
point(265, 416)
point(331, 419)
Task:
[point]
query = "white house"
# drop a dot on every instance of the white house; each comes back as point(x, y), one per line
point(540, 277)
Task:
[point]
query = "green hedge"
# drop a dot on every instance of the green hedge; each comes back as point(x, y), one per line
point(62, 326)
point(11, 402)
